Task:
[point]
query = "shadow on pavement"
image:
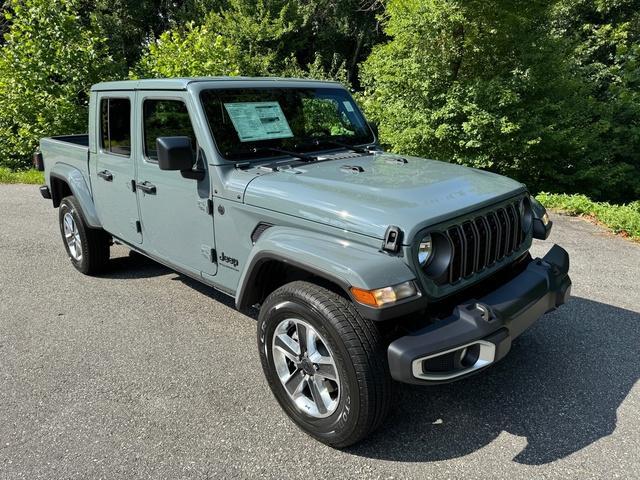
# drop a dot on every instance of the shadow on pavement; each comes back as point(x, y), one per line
point(559, 387)
point(132, 266)
point(136, 265)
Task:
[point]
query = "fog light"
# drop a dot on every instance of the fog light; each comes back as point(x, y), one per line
point(385, 296)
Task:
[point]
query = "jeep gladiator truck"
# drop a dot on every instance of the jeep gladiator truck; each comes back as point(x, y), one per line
point(367, 267)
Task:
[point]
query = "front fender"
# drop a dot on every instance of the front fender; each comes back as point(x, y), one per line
point(78, 186)
point(340, 261)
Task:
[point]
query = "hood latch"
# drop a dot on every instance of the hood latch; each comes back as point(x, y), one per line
point(392, 239)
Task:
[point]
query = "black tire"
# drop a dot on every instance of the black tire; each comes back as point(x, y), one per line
point(94, 243)
point(358, 351)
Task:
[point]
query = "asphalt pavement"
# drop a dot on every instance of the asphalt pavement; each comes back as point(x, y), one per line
point(143, 373)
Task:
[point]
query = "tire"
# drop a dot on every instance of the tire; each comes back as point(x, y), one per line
point(88, 248)
point(356, 403)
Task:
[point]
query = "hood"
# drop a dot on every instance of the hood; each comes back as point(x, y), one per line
point(366, 194)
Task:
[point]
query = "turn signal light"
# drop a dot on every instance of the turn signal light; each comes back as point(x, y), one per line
point(381, 297)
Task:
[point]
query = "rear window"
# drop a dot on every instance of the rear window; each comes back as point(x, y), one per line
point(115, 126)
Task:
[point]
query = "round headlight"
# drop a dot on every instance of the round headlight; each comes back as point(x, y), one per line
point(425, 250)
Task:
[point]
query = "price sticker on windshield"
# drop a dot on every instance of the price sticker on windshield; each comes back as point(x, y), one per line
point(255, 121)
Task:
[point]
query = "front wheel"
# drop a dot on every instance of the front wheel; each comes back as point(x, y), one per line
point(324, 363)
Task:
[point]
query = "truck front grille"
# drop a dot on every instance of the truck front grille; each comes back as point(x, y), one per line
point(479, 243)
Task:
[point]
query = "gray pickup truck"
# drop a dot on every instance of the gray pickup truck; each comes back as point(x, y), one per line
point(367, 267)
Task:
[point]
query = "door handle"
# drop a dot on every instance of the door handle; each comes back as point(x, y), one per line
point(106, 175)
point(147, 187)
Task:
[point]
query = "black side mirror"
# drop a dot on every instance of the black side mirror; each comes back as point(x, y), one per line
point(374, 128)
point(175, 153)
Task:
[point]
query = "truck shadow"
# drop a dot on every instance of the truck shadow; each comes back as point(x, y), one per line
point(559, 387)
point(135, 265)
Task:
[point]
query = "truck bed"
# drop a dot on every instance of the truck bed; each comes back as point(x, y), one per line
point(79, 139)
point(72, 150)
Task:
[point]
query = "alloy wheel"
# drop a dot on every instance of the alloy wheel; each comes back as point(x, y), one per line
point(72, 236)
point(306, 368)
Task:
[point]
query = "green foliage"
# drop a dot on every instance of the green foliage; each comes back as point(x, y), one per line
point(485, 87)
point(623, 219)
point(245, 39)
point(545, 91)
point(132, 24)
point(191, 51)
point(322, 117)
point(498, 88)
point(337, 34)
point(48, 63)
point(605, 39)
point(33, 177)
point(320, 39)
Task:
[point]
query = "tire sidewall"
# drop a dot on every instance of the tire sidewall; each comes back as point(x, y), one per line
point(67, 206)
point(343, 421)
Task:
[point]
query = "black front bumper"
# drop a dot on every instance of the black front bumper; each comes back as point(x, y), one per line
point(479, 332)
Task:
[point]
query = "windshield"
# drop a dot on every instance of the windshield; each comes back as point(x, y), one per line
point(247, 122)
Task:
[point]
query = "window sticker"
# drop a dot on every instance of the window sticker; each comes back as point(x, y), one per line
point(258, 120)
point(348, 106)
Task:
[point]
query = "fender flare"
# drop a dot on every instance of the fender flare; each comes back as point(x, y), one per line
point(339, 261)
point(74, 178)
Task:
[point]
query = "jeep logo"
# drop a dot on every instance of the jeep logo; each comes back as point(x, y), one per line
point(230, 260)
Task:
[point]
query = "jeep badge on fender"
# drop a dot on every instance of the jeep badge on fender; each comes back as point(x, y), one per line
point(231, 261)
point(367, 268)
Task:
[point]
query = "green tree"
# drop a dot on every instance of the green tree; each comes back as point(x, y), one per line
point(133, 24)
point(481, 84)
point(605, 40)
point(48, 63)
point(338, 33)
point(245, 39)
point(318, 38)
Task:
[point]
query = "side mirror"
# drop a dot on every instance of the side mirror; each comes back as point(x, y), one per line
point(374, 128)
point(174, 153)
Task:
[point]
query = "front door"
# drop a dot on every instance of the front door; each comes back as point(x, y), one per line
point(112, 181)
point(175, 211)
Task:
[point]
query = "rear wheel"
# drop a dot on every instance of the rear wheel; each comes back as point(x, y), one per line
point(324, 363)
point(88, 248)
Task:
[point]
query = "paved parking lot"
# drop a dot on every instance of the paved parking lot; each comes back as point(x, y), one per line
point(143, 373)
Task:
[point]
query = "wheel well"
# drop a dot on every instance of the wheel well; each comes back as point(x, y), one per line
point(272, 274)
point(59, 190)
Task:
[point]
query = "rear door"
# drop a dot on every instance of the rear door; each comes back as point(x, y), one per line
point(175, 211)
point(113, 179)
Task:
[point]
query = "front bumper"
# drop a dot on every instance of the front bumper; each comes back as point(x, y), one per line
point(479, 332)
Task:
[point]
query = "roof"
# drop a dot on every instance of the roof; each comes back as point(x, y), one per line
point(183, 83)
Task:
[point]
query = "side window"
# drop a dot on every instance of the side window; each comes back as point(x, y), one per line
point(115, 126)
point(165, 118)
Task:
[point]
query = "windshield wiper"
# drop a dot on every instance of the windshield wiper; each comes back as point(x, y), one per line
point(301, 156)
point(336, 143)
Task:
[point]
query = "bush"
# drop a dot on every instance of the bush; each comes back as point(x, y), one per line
point(247, 38)
point(623, 219)
point(26, 176)
point(503, 87)
point(47, 65)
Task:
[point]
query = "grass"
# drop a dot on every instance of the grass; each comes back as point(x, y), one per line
point(621, 219)
point(24, 176)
